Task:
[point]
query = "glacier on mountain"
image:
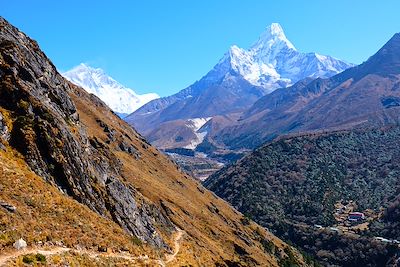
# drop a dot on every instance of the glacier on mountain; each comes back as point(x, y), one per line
point(195, 125)
point(120, 99)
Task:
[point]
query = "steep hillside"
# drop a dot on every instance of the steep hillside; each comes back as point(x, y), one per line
point(81, 180)
point(45, 218)
point(365, 95)
point(303, 187)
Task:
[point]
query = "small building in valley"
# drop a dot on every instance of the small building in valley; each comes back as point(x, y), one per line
point(356, 216)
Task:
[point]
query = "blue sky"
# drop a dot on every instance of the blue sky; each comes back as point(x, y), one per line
point(163, 46)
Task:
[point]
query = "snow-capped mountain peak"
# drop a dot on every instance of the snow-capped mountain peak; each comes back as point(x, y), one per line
point(273, 62)
point(95, 81)
point(272, 38)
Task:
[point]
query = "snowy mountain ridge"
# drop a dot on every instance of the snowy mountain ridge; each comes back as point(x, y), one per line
point(194, 117)
point(273, 62)
point(120, 99)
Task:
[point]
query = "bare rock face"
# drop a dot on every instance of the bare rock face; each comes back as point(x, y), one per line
point(48, 132)
point(4, 134)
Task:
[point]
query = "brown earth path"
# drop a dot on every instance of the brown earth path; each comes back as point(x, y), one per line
point(5, 258)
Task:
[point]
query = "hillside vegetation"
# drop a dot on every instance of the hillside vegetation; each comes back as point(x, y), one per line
point(294, 183)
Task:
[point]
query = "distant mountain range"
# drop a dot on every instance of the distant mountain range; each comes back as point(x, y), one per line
point(239, 79)
point(120, 99)
point(224, 94)
point(365, 95)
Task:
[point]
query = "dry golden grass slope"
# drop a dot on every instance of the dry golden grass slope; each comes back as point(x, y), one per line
point(47, 218)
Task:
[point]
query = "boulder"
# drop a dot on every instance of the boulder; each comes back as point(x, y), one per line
point(102, 249)
point(20, 244)
point(4, 134)
point(129, 149)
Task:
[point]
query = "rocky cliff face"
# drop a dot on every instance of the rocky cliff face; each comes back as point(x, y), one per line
point(47, 130)
point(4, 134)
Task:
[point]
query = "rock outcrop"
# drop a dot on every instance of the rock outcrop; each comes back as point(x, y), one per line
point(7, 206)
point(4, 134)
point(20, 244)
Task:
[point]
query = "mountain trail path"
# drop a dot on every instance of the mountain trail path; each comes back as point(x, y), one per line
point(177, 246)
point(5, 258)
point(14, 254)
